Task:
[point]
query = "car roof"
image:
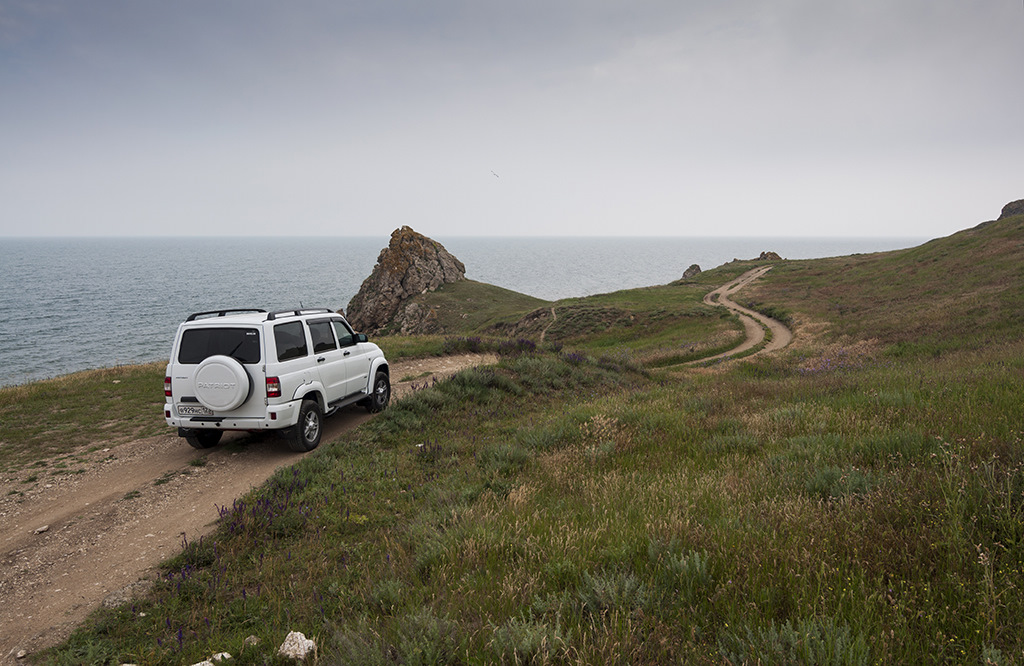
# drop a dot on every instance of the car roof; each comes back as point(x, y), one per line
point(253, 316)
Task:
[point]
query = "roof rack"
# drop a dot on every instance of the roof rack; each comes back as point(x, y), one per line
point(221, 313)
point(295, 313)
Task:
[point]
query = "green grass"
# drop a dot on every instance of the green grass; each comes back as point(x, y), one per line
point(97, 408)
point(656, 326)
point(853, 500)
point(398, 347)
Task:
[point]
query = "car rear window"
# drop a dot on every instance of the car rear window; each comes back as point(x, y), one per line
point(242, 344)
point(291, 341)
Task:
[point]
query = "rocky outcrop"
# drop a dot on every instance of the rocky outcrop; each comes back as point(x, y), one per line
point(410, 265)
point(765, 256)
point(416, 319)
point(691, 272)
point(1012, 208)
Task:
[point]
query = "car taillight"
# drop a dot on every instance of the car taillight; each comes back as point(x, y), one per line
point(167, 386)
point(273, 387)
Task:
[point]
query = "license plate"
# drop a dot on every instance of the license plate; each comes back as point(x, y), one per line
point(193, 410)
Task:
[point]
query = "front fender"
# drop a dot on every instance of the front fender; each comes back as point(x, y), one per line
point(377, 364)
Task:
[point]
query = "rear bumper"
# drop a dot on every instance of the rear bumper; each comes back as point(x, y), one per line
point(276, 417)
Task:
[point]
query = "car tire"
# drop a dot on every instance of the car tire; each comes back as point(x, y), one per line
point(222, 384)
point(380, 394)
point(203, 439)
point(305, 435)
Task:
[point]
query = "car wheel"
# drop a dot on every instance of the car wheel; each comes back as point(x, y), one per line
point(305, 435)
point(202, 439)
point(381, 395)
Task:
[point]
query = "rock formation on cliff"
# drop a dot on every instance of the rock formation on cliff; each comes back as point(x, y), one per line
point(691, 272)
point(1012, 208)
point(411, 264)
point(768, 255)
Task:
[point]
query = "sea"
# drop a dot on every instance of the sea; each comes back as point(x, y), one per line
point(73, 304)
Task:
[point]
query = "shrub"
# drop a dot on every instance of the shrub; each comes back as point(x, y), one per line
point(680, 574)
point(463, 345)
point(833, 483)
point(611, 591)
point(812, 641)
point(526, 642)
point(517, 347)
point(427, 639)
point(504, 459)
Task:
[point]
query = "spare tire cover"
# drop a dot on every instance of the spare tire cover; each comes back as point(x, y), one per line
point(221, 383)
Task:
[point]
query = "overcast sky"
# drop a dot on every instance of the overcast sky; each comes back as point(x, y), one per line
point(522, 117)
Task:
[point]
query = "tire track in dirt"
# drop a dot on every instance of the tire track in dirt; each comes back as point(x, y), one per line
point(754, 323)
point(554, 318)
point(75, 541)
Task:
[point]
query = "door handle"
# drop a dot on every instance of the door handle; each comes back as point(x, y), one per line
point(321, 359)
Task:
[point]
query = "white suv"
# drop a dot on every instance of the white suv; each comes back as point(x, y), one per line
point(256, 370)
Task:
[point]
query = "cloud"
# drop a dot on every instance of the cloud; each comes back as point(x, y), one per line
point(600, 116)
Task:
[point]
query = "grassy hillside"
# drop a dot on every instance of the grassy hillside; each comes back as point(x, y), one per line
point(964, 291)
point(856, 499)
point(655, 325)
point(467, 306)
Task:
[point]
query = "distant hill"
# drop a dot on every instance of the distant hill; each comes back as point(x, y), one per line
point(964, 290)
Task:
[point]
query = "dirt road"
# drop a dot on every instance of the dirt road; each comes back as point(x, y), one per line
point(73, 541)
point(754, 323)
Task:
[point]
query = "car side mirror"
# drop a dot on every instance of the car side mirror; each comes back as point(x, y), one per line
point(361, 337)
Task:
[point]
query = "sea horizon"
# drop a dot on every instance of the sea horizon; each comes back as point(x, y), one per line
point(95, 301)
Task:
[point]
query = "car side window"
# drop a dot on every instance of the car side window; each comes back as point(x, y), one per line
point(291, 341)
point(345, 336)
point(323, 336)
